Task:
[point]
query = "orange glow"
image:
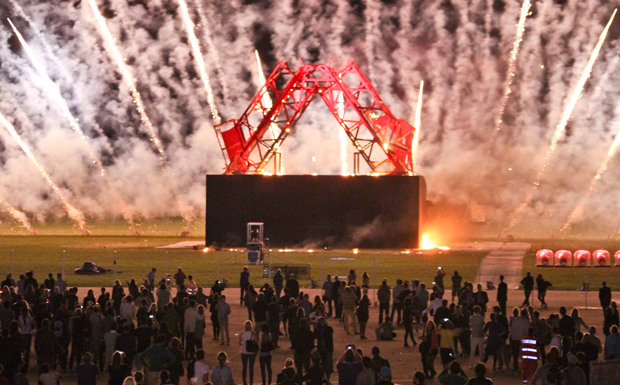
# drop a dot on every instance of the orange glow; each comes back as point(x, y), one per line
point(205, 249)
point(427, 244)
point(355, 251)
point(311, 251)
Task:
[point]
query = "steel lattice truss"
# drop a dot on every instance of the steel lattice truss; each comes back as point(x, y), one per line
point(250, 142)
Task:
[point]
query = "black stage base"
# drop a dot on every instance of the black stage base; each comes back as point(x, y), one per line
point(316, 211)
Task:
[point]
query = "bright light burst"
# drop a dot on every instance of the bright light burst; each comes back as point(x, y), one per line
point(417, 123)
point(342, 134)
point(426, 244)
point(512, 63)
point(53, 90)
point(562, 125)
point(18, 215)
point(72, 212)
point(199, 61)
point(137, 99)
point(578, 211)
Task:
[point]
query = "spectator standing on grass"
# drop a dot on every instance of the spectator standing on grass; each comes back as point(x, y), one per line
point(383, 295)
point(542, 285)
point(502, 295)
point(604, 296)
point(151, 276)
point(439, 278)
point(60, 283)
point(362, 314)
point(293, 286)
point(481, 298)
point(396, 305)
point(179, 278)
point(327, 293)
point(278, 282)
point(349, 301)
point(528, 286)
point(457, 282)
point(244, 282)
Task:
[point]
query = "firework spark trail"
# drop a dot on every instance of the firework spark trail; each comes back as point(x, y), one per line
point(343, 135)
point(120, 62)
point(512, 63)
point(55, 93)
point(562, 125)
point(199, 61)
point(417, 123)
point(18, 215)
point(267, 103)
point(72, 212)
point(215, 55)
point(578, 211)
point(48, 48)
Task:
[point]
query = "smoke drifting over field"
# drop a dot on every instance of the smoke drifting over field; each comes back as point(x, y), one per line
point(460, 48)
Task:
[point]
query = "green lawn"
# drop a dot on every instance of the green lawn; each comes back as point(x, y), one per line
point(572, 278)
point(136, 255)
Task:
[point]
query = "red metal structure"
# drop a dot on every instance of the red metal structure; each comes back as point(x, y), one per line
point(250, 142)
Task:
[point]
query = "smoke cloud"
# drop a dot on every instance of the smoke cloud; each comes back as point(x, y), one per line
point(460, 48)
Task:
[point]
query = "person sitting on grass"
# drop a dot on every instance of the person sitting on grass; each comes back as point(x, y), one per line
point(385, 331)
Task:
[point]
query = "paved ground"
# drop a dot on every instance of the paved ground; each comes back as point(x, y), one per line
point(404, 361)
point(504, 258)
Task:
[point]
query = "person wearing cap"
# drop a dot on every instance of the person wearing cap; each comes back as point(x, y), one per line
point(453, 375)
point(573, 374)
point(384, 376)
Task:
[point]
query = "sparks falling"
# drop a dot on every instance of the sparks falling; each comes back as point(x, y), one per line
point(17, 215)
point(120, 62)
point(578, 211)
point(562, 125)
point(342, 135)
point(512, 63)
point(72, 212)
point(53, 90)
point(417, 123)
point(199, 61)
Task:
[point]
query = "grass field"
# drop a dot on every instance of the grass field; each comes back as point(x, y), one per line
point(136, 255)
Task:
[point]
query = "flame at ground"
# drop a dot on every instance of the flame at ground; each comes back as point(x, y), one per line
point(427, 244)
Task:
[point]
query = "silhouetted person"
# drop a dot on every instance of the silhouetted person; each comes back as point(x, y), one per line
point(502, 295)
point(528, 286)
point(604, 295)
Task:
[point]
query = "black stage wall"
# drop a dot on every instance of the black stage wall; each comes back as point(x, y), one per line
point(316, 211)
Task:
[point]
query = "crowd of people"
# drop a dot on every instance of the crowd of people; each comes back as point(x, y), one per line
point(143, 334)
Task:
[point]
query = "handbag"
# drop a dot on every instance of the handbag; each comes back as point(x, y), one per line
point(251, 346)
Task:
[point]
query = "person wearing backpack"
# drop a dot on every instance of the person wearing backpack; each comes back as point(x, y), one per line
point(266, 345)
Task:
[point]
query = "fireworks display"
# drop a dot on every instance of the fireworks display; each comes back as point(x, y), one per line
point(561, 127)
point(199, 61)
point(512, 62)
point(102, 65)
point(17, 215)
point(417, 123)
point(72, 212)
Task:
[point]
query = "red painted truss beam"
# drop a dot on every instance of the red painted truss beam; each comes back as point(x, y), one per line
point(250, 142)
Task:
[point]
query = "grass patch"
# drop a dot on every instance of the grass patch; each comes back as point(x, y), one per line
point(136, 255)
point(571, 278)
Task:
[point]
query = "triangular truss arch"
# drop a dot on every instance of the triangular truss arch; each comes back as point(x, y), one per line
point(383, 141)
